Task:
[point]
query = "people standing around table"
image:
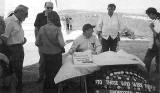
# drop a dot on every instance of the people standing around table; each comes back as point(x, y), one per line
point(41, 20)
point(109, 26)
point(14, 37)
point(154, 45)
point(51, 39)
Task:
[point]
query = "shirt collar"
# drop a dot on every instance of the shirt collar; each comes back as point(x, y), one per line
point(86, 37)
point(44, 13)
point(112, 15)
point(16, 19)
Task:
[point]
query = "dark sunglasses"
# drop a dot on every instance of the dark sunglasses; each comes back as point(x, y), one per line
point(49, 8)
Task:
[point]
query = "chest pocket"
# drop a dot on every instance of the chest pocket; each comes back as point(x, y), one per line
point(16, 28)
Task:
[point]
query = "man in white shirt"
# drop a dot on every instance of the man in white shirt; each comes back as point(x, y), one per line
point(14, 37)
point(108, 27)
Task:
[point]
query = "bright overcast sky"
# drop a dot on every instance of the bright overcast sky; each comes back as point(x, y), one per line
point(127, 6)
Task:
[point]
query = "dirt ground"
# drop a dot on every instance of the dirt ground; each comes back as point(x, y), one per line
point(30, 73)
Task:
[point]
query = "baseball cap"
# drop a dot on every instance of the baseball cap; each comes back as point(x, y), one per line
point(87, 26)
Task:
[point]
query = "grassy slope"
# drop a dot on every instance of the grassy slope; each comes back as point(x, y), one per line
point(138, 26)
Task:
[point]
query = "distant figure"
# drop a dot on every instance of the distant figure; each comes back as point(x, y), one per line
point(41, 20)
point(14, 37)
point(153, 50)
point(67, 22)
point(108, 27)
point(70, 23)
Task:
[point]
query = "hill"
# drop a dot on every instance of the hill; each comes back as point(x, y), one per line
point(137, 26)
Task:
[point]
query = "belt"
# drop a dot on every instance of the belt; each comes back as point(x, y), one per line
point(19, 44)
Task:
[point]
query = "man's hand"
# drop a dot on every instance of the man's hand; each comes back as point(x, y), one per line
point(94, 53)
point(99, 33)
point(151, 25)
point(152, 28)
point(25, 40)
point(71, 51)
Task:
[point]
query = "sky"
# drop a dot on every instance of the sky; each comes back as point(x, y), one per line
point(125, 6)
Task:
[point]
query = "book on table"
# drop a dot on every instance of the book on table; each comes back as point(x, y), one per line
point(82, 58)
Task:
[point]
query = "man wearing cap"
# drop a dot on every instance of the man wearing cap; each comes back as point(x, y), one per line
point(108, 26)
point(86, 41)
point(14, 37)
point(41, 20)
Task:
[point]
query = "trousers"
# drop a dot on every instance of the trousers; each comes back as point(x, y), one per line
point(41, 64)
point(52, 66)
point(109, 44)
point(149, 57)
point(16, 61)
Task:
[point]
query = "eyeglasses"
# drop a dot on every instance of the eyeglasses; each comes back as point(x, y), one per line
point(49, 8)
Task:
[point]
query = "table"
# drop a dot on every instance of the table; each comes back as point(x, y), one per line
point(69, 70)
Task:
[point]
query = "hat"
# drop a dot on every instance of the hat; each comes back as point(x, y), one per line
point(87, 26)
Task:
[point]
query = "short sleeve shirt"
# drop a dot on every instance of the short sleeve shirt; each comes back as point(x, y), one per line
point(13, 31)
point(41, 20)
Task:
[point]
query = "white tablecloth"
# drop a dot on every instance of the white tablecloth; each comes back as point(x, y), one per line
point(69, 70)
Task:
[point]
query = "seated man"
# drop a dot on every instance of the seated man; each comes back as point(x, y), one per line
point(86, 41)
